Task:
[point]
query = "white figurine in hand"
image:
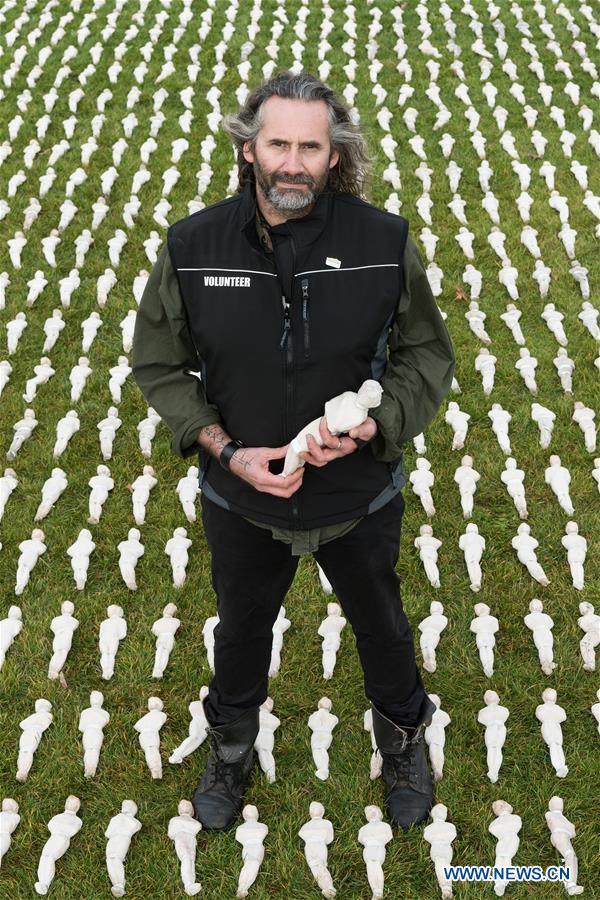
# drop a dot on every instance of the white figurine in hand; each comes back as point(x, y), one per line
point(466, 477)
point(80, 553)
point(317, 833)
point(52, 488)
point(484, 626)
point(500, 420)
point(9, 820)
point(62, 828)
point(148, 728)
point(101, 484)
point(541, 625)
point(250, 835)
point(544, 419)
point(472, 544)
point(589, 622)
point(265, 739)
point(550, 714)
point(321, 723)
point(505, 828)
point(576, 546)
point(525, 546)
point(435, 737)
point(431, 629)
point(584, 416)
point(562, 833)
point(164, 630)
point(63, 628)
point(422, 479)
point(31, 550)
point(493, 717)
point(130, 551)
point(459, 422)
point(140, 492)
point(440, 834)
point(92, 722)
point(513, 478)
point(112, 631)
point(197, 729)
point(559, 479)
point(183, 830)
point(119, 833)
point(428, 547)
point(187, 490)
point(176, 549)
point(330, 630)
point(280, 626)
point(374, 836)
point(10, 627)
point(33, 728)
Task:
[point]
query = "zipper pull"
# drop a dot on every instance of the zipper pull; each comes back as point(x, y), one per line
point(286, 323)
point(305, 324)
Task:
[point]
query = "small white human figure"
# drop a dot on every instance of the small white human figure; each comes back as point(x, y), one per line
point(146, 429)
point(476, 318)
point(595, 710)
point(280, 626)
point(265, 739)
point(474, 279)
point(541, 625)
point(500, 420)
point(317, 834)
point(33, 728)
point(459, 422)
point(422, 479)
point(584, 417)
point(10, 627)
point(92, 723)
point(9, 820)
point(505, 828)
point(176, 549)
point(321, 723)
point(108, 427)
point(148, 728)
point(119, 833)
point(342, 414)
point(52, 329)
point(564, 365)
point(554, 319)
point(428, 547)
point(493, 717)
point(526, 366)
point(374, 836)
point(43, 374)
point(330, 630)
point(187, 490)
point(90, 328)
point(8, 483)
point(250, 835)
point(325, 583)
point(558, 478)
point(66, 427)
point(419, 439)
point(130, 551)
point(435, 737)
point(23, 430)
point(580, 274)
point(112, 631)
point(440, 834)
point(589, 316)
point(511, 320)
point(164, 629)
point(140, 492)
point(576, 546)
point(80, 552)
point(62, 828)
point(118, 377)
point(63, 628)
point(78, 376)
point(197, 729)
point(484, 626)
point(183, 830)
point(52, 488)
point(507, 276)
point(14, 330)
point(127, 326)
point(472, 544)
point(513, 478)
point(562, 833)
point(589, 622)
point(485, 364)
point(208, 634)
point(431, 628)
point(31, 550)
point(376, 758)
point(525, 546)
point(466, 477)
point(550, 714)
point(544, 419)
point(101, 484)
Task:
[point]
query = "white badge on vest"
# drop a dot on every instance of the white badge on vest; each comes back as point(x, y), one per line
point(332, 261)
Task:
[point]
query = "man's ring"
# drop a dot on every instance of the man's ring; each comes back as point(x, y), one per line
point(339, 446)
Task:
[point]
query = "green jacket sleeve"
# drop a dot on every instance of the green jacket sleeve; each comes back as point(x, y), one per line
point(163, 355)
point(420, 363)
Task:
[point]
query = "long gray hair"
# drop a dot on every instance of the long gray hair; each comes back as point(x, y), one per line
point(352, 170)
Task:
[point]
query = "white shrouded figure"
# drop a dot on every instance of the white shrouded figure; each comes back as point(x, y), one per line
point(374, 836)
point(342, 413)
point(466, 477)
point(148, 728)
point(317, 834)
point(440, 834)
point(526, 366)
point(78, 376)
point(112, 631)
point(562, 833)
point(485, 364)
point(431, 628)
point(140, 492)
point(576, 546)
point(90, 328)
point(459, 422)
point(580, 274)
point(493, 717)
point(541, 625)
point(596, 471)
point(476, 318)
point(565, 366)
point(101, 484)
point(321, 723)
point(33, 728)
point(500, 420)
point(31, 550)
point(250, 834)
point(280, 626)
point(435, 737)
point(118, 377)
point(183, 830)
point(52, 329)
point(197, 729)
point(8, 483)
point(119, 833)
point(80, 552)
point(554, 319)
point(187, 490)
point(208, 635)
point(62, 828)
point(422, 479)
point(505, 828)
point(63, 628)
point(507, 276)
point(330, 630)
point(130, 551)
point(92, 722)
point(164, 630)
point(558, 478)
point(428, 547)
point(584, 417)
point(544, 419)
point(65, 429)
point(9, 820)
point(43, 374)
point(511, 320)
point(513, 478)
point(376, 757)
point(52, 488)
point(589, 317)
point(589, 622)
point(326, 584)
point(14, 330)
point(472, 545)
point(176, 549)
point(595, 710)
point(10, 627)
point(484, 626)
point(146, 429)
point(525, 545)
point(550, 714)
point(108, 428)
point(265, 739)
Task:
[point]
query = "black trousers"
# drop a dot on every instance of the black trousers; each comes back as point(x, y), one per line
point(251, 574)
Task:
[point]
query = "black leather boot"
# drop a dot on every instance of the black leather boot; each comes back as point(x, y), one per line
point(218, 797)
point(405, 771)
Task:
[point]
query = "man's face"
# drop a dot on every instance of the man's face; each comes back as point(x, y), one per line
point(292, 154)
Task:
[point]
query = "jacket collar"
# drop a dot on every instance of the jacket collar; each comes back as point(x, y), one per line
point(305, 230)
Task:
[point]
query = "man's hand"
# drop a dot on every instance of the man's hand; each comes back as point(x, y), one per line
point(334, 447)
point(251, 464)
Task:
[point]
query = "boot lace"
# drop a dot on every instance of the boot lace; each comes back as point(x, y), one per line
point(402, 765)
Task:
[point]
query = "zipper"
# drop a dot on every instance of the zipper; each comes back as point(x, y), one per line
point(305, 323)
point(288, 345)
point(287, 322)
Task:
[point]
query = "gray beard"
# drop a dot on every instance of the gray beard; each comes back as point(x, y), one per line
point(289, 200)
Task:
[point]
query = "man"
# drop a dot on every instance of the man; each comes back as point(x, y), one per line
point(281, 297)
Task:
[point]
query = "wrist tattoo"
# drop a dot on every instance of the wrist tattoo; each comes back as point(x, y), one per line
point(213, 438)
point(243, 457)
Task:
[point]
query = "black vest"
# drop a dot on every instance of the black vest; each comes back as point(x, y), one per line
point(275, 343)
